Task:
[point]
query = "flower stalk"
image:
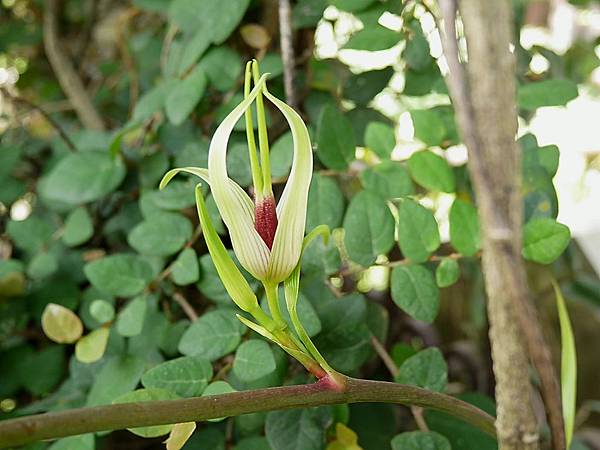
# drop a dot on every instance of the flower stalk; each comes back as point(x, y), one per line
point(267, 236)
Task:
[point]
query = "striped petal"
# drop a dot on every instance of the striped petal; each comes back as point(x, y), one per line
point(247, 244)
point(291, 209)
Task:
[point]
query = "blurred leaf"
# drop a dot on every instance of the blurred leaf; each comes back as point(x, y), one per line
point(61, 324)
point(298, 428)
point(78, 227)
point(375, 424)
point(185, 269)
point(369, 228)
point(130, 320)
point(362, 88)
point(30, 234)
point(187, 376)
point(447, 272)
point(180, 433)
point(102, 311)
point(429, 127)
point(147, 395)
point(345, 439)
point(91, 347)
point(222, 65)
point(82, 177)
point(568, 366)
point(546, 93)
point(427, 369)
point(351, 5)
point(307, 13)
point(431, 171)
point(160, 235)
point(52, 360)
point(416, 53)
point(121, 274)
point(380, 138)
point(464, 228)
point(415, 292)
point(212, 336)
point(419, 440)
point(118, 376)
point(373, 39)
point(281, 155)
point(253, 360)
point(544, 240)
point(184, 97)
point(335, 140)
point(152, 101)
point(325, 203)
point(417, 231)
point(80, 442)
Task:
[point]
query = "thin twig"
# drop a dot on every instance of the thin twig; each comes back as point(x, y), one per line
point(416, 411)
point(287, 51)
point(65, 72)
point(185, 305)
point(23, 430)
point(166, 46)
point(61, 132)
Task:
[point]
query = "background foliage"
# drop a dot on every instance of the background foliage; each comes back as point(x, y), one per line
point(84, 226)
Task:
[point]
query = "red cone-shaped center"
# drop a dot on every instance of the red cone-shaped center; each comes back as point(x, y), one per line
point(265, 220)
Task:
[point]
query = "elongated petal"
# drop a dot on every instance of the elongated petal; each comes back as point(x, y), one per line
point(236, 285)
point(249, 247)
point(244, 201)
point(291, 209)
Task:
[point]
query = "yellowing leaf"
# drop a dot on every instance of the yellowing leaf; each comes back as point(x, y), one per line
point(90, 348)
point(61, 324)
point(255, 36)
point(180, 433)
point(346, 439)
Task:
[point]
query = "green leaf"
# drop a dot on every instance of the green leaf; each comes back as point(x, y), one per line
point(375, 423)
point(544, 240)
point(102, 311)
point(369, 228)
point(130, 320)
point(187, 376)
point(325, 203)
point(281, 155)
point(389, 180)
point(568, 365)
point(121, 274)
point(217, 388)
point(431, 171)
point(78, 227)
point(351, 5)
point(210, 283)
point(380, 138)
point(212, 336)
point(42, 265)
point(298, 428)
point(51, 360)
point(160, 235)
point(82, 177)
point(30, 234)
point(184, 97)
point(417, 231)
point(193, 48)
point(373, 39)
point(148, 395)
point(447, 272)
point(253, 360)
point(119, 375)
point(426, 369)
point(80, 442)
point(420, 440)
point(362, 88)
point(335, 140)
point(219, 18)
point(223, 66)
point(416, 53)
point(414, 291)
point(464, 228)
point(429, 127)
point(152, 101)
point(185, 269)
point(546, 93)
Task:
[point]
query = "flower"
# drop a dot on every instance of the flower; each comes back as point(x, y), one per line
point(266, 235)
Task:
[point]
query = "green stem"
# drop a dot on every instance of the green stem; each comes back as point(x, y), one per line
point(271, 290)
point(256, 175)
point(263, 138)
point(53, 425)
point(308, 343)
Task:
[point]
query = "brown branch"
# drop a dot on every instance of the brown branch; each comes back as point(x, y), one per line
point(483, 97)
point(61, 132)
point(23, 430)
point(287, 51)
point(185, 305)
point(65, 72)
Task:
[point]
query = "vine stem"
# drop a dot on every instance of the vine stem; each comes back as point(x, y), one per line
point(28, 429)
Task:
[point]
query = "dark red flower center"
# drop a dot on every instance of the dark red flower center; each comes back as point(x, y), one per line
point(265, 220)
